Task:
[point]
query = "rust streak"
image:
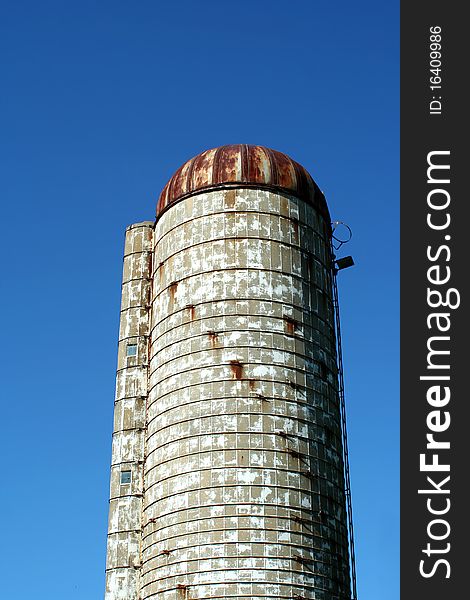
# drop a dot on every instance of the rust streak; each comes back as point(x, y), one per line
point(290, 324)
point(237, 369)
point(183, 590)
point(192, 311)
point(172, 289)
point(213, 338)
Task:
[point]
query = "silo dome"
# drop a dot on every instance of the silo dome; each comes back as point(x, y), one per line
point(242, 165)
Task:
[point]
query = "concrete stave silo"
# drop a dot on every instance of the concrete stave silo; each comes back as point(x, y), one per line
point(241, 473)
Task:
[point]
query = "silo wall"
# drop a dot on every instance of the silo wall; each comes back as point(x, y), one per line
point(243, 475)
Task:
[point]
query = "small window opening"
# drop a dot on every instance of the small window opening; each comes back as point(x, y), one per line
point(131, 349)
point(126, 477)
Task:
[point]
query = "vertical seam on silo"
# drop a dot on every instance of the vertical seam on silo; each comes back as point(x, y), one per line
point(144, 453)
point(216, 166)
point(244, 162)
point(274, 175)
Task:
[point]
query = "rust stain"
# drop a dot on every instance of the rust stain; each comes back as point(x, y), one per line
point(285, 171)
point(237, 369)
point(149, 263)
point(172, 289)
point(230, 196)
point(213, 338)
point(148, 297)
point(201, 171)
point(290, 324)
point(258, 166)
point(192, 311)
point(183, 590)
point(227, 164)
point(161, 267)
point(251, 383)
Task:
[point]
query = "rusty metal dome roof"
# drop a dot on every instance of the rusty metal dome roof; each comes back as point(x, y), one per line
point(242, 165)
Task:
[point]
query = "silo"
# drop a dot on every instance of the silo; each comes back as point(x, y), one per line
point(242, 480)
point(128, 451)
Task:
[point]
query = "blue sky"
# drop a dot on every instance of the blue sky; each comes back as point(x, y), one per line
point(101, 101)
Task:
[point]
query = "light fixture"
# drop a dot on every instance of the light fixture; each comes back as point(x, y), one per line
point(344, 263)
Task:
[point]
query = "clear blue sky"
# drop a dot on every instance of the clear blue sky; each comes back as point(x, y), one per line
point(101, 101)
